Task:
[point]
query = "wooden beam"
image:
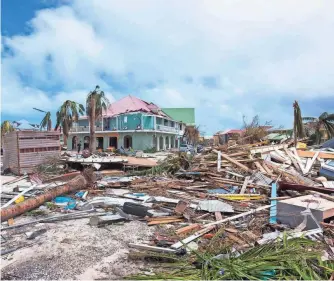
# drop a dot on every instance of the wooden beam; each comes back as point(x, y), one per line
point(152, 248)
point(258, 165)
point(244, 186)
point(188, 228)
point(310, 163)
point(218, 216)
point(241, 166)
point(292, 158)
point(310, 154)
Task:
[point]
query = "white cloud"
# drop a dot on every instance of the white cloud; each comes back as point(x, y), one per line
point(260, 53)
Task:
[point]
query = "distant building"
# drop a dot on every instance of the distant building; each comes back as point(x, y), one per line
point(129, 123)
point(228, 135)
point(183, 115)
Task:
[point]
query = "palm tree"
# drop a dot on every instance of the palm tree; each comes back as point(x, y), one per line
point(298, 127)
point(325, 121)
point(46, 122)
point(66, 115)
point(6, 127)
point(96, 102)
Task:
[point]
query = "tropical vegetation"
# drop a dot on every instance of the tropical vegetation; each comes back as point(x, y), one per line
point(324, 122)
point(67, 114)
point(96, 103)
point(298, 127)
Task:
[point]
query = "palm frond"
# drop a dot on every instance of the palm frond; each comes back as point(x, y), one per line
point(330, 118)
point(46, 121)
point(323, 116)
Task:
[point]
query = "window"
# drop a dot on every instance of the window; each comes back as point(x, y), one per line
point(125, 119)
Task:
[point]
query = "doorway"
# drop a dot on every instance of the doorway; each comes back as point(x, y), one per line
point(127, 142)
point(113, 142)
point(86, 142)
point(99, 143)
point(74, 143)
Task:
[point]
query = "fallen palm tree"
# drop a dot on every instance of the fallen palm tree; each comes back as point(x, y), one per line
point(290, 259)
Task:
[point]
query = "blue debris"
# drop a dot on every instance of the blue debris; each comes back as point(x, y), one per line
point(68, 202)
point(80, 194)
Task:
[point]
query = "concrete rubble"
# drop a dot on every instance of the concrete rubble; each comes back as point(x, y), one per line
point(108, 221)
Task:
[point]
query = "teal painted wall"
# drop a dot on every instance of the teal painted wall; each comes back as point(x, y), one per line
point(129, 121)
point(148, 122)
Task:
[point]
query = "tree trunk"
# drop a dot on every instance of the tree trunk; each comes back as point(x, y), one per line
point(92, 146)
point(49, 125)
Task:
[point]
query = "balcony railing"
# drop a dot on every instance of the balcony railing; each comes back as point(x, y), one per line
point(167, 129)
point(161, 128)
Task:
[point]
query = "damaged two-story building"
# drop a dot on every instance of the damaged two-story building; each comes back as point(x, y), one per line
point(129, 123)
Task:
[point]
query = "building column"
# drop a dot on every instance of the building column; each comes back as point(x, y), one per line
point(164, 143)
point(170, 142)
point(158, 143)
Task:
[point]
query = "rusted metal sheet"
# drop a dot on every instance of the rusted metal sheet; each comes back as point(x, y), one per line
point(32, 203)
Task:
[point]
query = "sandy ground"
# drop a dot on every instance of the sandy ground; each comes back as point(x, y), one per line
point(73, 250)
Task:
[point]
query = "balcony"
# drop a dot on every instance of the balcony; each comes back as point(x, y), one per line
point(167, 129)
point(160, 128)
point(85, 129)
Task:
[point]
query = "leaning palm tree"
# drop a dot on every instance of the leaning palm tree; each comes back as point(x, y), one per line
point(298, 127)
point(67, 114)
point(325, 121)
point(46, 122)
point(96, 103)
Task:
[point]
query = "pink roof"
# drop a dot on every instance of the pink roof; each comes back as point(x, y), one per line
point(132, 104)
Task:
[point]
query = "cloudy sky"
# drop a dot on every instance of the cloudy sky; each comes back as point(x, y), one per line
point(226, 58)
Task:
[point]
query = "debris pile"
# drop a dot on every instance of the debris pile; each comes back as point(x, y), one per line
point(240, 211)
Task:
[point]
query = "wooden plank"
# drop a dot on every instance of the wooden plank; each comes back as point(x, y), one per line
point(258, 165)
point(310, 163)
point(244, 186)
point(219, 161)
point(188, 228)
point(268, 148)
point(164, 221)
point(241, 166)
point(273, 204)
point(218, 216)
point(310, 154)
point(301, 165)
point(293, 160)
point(152, 248)
point(192, 237)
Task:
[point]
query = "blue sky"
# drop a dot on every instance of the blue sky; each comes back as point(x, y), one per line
point(226, 58)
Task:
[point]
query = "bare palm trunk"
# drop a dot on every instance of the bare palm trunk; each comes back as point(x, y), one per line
point(92, 146)
point(49, 125)
point(295, 133)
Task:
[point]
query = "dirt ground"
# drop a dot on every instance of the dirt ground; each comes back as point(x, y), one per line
point(73, 250)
